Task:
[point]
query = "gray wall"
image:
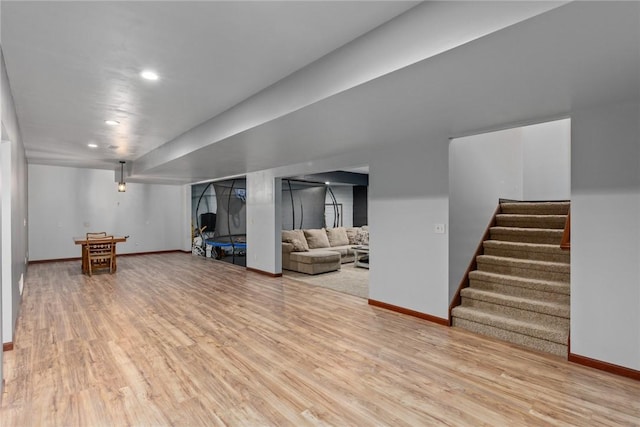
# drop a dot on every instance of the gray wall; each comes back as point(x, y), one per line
point(483, 168)
point(66, 202)
point(605, 234)
point(408, 195)
point(1, 352)
point(344, 196)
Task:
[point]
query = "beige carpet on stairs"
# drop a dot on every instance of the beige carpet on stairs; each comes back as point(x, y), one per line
point(520, 290)
point(349, 280)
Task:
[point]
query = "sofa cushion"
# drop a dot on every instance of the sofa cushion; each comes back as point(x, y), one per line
point(342, 250)
point(316, 257)
point(314, 262)
point(317, 238)
point(346, 252)
point(287, 247)
point(337, 236)
point(297, 239)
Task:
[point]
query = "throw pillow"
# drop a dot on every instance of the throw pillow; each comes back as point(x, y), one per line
point(363, 237)
point(297, 239)
point(299, 245)
point(337, 236)
point(352, 234)
point(317, 238)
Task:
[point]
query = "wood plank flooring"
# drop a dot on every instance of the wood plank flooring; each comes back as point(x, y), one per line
point(173, 339)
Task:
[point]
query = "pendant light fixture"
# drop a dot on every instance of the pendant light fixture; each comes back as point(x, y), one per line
point(122, 186)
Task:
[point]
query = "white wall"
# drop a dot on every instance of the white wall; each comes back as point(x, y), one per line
point(6, 225)
point(14, 209)
point(546, 154)
point(605, 235)
point(483, 169)
point(524, 163)
point(408, 194)
point(187, 231)
point(66, 202)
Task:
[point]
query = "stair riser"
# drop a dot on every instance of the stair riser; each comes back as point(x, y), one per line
point(523, 272)
point(534, 209)
point(512, 337)
point(559, 256)
point(522, 282)
point(527, 271)
point(518, 291)
point(529, 329)
point(551, 222)
point(514, 236)
point(517, 313)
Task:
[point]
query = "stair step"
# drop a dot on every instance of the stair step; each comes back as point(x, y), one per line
point(542, 270)
point(527, 235)
point(512, 337)
point(519, 286)
point(530, 329)
point(535, 208)
point(534, 251)
point(531, 221)
point(526, 309)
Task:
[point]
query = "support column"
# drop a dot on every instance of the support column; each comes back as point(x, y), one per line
point(264, 223)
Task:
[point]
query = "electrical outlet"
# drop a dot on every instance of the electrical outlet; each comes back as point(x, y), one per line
point(439, 228)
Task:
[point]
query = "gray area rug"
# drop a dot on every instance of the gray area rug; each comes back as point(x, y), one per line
point(349, 280)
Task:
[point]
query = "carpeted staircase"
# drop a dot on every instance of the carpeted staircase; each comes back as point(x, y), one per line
point(520, 290)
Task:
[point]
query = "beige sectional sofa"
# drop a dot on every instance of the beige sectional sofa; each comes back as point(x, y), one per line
point(314, 251)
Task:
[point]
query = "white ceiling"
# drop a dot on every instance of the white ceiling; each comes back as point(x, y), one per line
point(574, 57)
point(72, 65)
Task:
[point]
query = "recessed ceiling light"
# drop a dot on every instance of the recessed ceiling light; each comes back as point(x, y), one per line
point(112, 122)
point(92, 145)
point(149, 75)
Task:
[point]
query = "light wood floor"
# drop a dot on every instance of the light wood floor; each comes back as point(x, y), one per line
point(177, 340)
